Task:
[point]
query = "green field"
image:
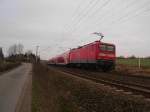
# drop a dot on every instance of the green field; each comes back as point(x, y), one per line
point(145, 63)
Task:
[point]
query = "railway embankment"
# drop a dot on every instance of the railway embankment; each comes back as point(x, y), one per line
point(61, 92)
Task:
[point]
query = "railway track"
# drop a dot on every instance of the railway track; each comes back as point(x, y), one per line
point(106, 77)
point(135, 88)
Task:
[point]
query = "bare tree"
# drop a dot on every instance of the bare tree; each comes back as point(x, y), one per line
point(132, 57)
point(12, 50)
point(15, 49)
point(29, 52)
point(121, 57)
point(20, 48)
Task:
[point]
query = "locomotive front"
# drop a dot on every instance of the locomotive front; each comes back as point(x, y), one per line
point(106, 56)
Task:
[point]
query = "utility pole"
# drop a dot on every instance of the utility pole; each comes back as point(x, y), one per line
point(37, 48)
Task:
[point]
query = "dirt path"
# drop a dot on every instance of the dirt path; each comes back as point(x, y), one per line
point(11, 87)
point(24, 103)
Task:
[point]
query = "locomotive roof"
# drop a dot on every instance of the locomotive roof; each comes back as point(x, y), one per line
point(93, 43)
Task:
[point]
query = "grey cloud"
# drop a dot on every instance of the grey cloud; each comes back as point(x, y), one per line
point(45, 23)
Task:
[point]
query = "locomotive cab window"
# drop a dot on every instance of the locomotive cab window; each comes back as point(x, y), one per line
point(103, 47)
point(110, 48)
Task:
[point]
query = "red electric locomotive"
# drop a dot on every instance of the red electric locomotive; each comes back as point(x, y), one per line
point(96, 54)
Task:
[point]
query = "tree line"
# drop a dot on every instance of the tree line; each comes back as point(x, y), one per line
point(132, 57)
point(16, 54)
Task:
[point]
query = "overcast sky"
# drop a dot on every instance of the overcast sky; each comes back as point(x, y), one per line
point(57, 25)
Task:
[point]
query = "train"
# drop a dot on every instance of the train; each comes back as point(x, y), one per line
point(93, 55)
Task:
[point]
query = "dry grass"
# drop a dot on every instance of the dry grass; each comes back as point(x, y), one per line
point(57, 92)
point(4, 65)
point(128, 70)
point(47, 96)
point(145, 63)
point(130, 66)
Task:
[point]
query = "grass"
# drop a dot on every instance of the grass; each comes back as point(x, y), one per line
point(57, 92)
point(46, 93)
point(145, 63)
point(5, 65)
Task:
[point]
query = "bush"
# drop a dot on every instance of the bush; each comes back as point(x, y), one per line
point(4, 66)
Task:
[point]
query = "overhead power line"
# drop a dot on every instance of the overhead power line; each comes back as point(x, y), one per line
point(116, 11)
point(79, 14)
point(135, 15)
point(74, 13)
point(130, 14)
point(87, 10)
point(99, 9)
point(127, 16)
point(112, 13)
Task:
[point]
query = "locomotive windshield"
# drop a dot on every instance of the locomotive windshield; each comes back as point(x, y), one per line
point(104, 47)
point(110, 48)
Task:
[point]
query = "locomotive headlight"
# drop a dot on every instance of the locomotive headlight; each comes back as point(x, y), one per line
point(102, 54)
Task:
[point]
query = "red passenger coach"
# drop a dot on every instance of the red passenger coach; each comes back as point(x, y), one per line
point(96, 55)
point(62, 59)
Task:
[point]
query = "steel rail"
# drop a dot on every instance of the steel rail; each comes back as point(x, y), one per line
point(137, 89)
